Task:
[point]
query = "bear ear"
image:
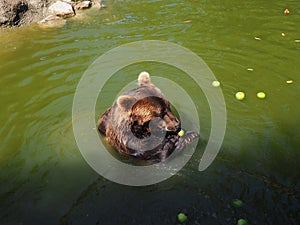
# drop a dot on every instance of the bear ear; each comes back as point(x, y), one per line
point(126, 101)
point(144, 78)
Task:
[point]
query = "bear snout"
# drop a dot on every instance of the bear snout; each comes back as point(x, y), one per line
point(171, 122)
point(173, 128)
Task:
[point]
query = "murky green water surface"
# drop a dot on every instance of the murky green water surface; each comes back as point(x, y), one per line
point(45, 180)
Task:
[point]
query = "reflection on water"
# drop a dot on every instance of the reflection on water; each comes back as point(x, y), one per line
point(44, 179)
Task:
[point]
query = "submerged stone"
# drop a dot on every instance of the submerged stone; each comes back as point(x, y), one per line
point(52, 21)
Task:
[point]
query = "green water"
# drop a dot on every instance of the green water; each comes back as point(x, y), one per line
point(45, 180)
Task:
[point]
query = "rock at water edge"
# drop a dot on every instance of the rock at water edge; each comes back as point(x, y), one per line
point(61, 9)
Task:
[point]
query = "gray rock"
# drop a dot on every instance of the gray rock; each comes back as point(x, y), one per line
point(20, 12)
point(61, 9)
point(83, 5)
point(3, 20)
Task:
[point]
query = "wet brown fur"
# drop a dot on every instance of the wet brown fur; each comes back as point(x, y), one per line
point(132, 113)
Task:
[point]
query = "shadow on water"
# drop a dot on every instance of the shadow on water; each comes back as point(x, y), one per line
point(205, 196)
point(79, 196)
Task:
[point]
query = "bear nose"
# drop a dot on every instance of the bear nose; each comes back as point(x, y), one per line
point(175, 127)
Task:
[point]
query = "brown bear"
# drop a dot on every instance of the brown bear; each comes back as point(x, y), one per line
point(141, 124)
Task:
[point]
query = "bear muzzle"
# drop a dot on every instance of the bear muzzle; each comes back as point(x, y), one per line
point(171, 123)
